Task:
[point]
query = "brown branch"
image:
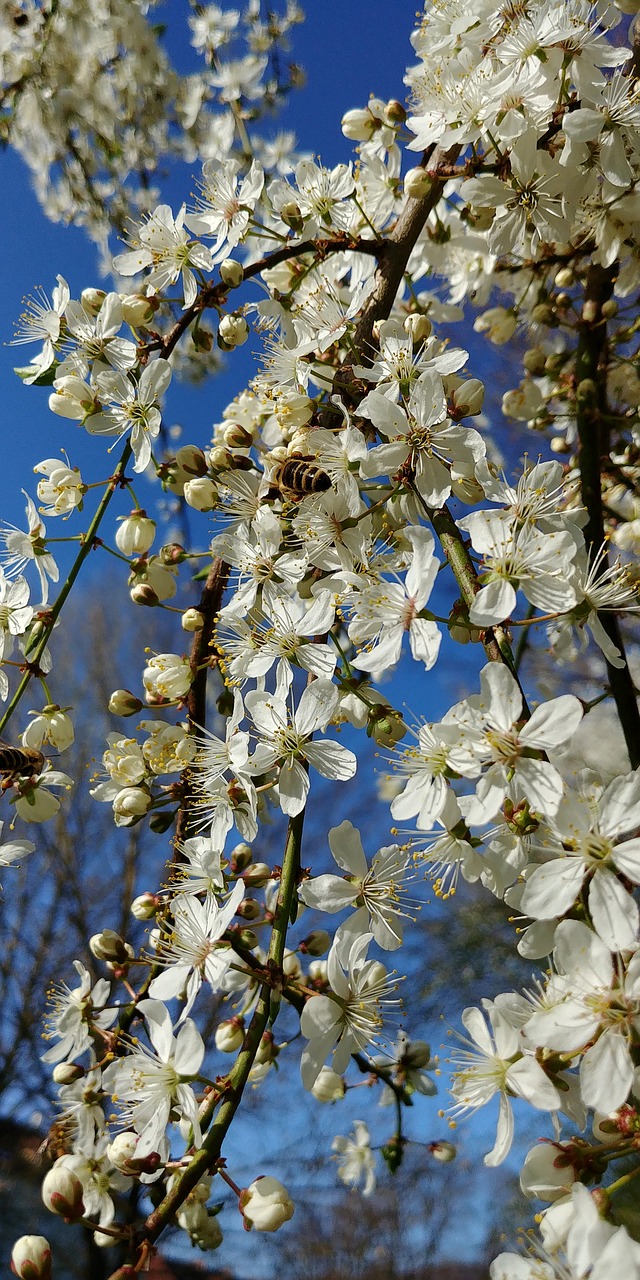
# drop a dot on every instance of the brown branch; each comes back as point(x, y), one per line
point(216, 294)
point(209, 607)
point(593, 446)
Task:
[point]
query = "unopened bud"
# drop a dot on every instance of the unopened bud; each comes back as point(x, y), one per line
point(443, 1151)
point(124, 703)
point(237, 437)
point(231, 272)
point(586, 391)
point(417, 183)
point(144, 907)
point(418, 327)
point(385, 725)
point(190, 458)
point(564, 278)
point(542, 313)
point(172, 553)
point(609, 308)
point(229, 1035)
point(558, 444)
point(92, 300)
point(240, 857)
point(468, 398)
point(359, 125)
point(144, 594)
point(132, 802)
point(31, 1258)
point(257, 875)
point(534, 361)
point(329, 1086)
point(316, 943)
point(233, 331)
point(62, 1193)
point(137, 310)
point(67, 1073)
point(395, 112)
point(249, 909)
point(201, 493)
point(248, 938)
point(267, 1050)
point(192, 620)
point(291, 215)
point(108, 945)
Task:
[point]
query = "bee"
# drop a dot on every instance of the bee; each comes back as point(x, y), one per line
point(19, 764)
point(299, 476)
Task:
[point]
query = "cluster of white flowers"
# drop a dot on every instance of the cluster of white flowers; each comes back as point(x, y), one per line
point(329, 480)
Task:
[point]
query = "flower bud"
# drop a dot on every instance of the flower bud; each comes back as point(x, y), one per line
point(67, 1072)
point(249, 909)
point(122, 1150)
point(124, 703)
point(316, 943)
point(395, 112)
point(231, 272)
point(233, 331)
point(170, 554)
point(558, 444)
point(237, 437)
point(143, 593)
point(419, 327)
point(291, 215)
point(534, 361)
point(468, 398)
point(31, 1258)
point(248, 938)
point(137, 310)
point(542, 313)
point(132, 802)
point(240, 857)
point(136, 533)
point(190, 458)
point(144, 907)
point(609, 308)
point(192, 620)
point(229, 1035)
point(257, 875)
point(358, 124)
point(443, 1151)
point(62, 1193)
point(564, 278)
point(318, 971)
point(201, 493)
point(329, 1086)
point(265, 1205)
point(92, 300)
point(385, 725)
point(417, 183)
point(108, 945)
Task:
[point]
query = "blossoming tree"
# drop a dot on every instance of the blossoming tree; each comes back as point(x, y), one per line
point(340, 485)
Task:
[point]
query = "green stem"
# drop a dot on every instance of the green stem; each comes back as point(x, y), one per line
point(37, 642)
point(205, 1158)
